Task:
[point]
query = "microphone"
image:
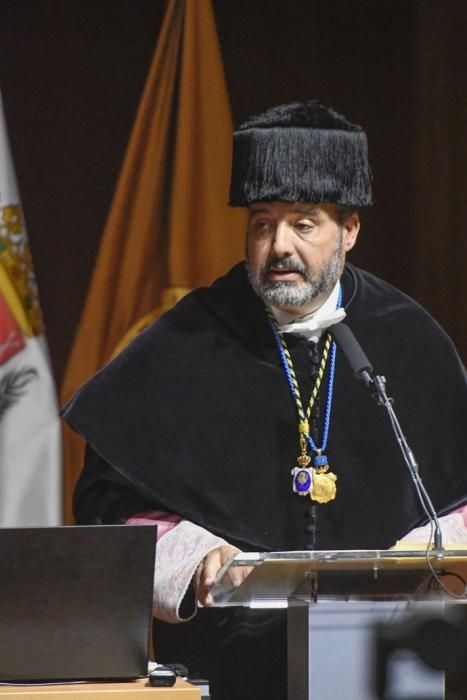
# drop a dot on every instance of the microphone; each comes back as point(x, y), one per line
point(352, 349)
point(363, 370)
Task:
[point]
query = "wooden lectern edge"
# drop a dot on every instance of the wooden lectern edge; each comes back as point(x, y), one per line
point(102, 691)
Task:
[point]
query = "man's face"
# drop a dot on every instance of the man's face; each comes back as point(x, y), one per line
point(296, 252)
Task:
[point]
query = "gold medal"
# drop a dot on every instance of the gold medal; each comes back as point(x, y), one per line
point(324, 486)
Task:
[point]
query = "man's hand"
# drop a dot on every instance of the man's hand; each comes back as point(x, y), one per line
point(210, 566)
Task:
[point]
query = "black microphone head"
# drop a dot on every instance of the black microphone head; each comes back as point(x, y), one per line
point(351, 348)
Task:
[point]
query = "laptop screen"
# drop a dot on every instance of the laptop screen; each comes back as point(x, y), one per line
point(75, 602)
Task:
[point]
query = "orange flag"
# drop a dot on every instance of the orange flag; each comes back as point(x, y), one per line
point(169, 228)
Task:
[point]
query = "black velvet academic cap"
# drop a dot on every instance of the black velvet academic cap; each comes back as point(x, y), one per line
point(300, 152)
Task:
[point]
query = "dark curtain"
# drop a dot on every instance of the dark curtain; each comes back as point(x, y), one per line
point(439, 278)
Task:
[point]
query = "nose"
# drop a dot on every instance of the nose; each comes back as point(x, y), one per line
point(282, 245)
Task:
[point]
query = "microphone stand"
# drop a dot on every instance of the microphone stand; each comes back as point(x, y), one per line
point(362, 369)
point(377, 385)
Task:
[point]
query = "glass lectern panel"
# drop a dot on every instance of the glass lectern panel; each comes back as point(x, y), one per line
point(275, 577)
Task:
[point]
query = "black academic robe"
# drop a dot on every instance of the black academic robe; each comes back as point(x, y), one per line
point(196, 417)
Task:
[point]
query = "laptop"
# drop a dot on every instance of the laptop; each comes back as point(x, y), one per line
point(75, 602)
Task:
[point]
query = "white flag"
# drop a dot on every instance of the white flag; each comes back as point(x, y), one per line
point(30, 437)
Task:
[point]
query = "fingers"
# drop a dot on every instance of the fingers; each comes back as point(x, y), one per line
point(208, 570)
point(205, 598)
point(239, 574)
point(213, 562)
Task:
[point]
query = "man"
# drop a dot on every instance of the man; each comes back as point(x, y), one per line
point(236, 412)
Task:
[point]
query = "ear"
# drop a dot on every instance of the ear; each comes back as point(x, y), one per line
point(350, 230)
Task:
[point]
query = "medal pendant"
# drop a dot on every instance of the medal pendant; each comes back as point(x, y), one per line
point(302, 481)
point(302, 476)
point(324, 481)
point(324, 486)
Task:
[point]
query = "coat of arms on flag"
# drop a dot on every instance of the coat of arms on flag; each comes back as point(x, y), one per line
point(30, 440)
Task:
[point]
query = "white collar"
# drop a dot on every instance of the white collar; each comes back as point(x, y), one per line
point(311, 325)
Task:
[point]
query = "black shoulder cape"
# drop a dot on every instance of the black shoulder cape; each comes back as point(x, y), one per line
point(197, 418)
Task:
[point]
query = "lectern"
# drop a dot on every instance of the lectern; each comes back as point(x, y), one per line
point(335, 601)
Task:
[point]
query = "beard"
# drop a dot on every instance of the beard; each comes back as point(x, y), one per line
point(288, 293)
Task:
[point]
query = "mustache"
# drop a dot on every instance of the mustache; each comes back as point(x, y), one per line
point(291, 264)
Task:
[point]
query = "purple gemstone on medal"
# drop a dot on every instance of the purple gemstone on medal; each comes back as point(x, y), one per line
point(302, 481)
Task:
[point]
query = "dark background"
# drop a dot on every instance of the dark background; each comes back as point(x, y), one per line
point(72, 73)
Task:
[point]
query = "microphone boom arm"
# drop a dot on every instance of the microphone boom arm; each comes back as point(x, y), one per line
point(378, 386)
point(363, 370)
